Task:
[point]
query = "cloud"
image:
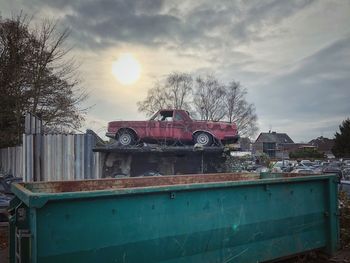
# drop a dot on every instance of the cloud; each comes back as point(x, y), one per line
point(185, 25)
point(292, 56)
point(313, 90)
point(258, 18)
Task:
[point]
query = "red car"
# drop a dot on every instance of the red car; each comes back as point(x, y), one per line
point(172, 126)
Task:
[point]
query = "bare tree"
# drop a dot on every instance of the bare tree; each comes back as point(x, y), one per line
point(238, 110)
point(37, 76)
point(156, 99)
point(173, 92)
point(179, 87)
point(209, 98)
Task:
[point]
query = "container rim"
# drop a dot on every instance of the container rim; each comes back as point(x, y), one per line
point(39, 199)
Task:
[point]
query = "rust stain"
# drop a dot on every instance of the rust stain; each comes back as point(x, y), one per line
point(135, 182)
point(105, 184)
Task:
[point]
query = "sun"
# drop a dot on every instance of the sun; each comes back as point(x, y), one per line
point(126, 69)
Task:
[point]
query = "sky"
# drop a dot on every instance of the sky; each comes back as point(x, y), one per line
point(293, 56)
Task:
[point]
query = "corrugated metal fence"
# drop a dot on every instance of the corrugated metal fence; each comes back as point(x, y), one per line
point(11, 161)
point(51, 157)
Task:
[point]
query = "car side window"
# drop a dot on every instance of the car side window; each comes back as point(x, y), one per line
point(166, 116)
point(178, 117)
point(158, 117)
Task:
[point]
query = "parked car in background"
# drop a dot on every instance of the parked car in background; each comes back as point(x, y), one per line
point(346, 163)
point(151, 173)
point(262, 169)
point(336, 163)
point(5, 184)
point(303, 171)
point(306, 163)
point(332, 169)
point(317, 162)
point(172, 126)
point(4, 204)
point(346, 174)
point(6, 195)
point(283, 166)
point(304, 166)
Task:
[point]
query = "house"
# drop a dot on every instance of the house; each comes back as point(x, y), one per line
point(274, 144)
point(245, 144)
point(323, 144)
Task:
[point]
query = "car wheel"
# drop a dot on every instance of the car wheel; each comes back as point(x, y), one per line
point(203, 139)
point(126, 138)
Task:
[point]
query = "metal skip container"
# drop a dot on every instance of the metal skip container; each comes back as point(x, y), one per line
point(183, 218)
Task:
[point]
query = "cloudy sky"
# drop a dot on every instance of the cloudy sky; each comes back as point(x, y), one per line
point(292, 56)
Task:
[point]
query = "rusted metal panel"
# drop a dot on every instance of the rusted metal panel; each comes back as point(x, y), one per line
point(197, 218)
point(152, 181)
point(122, 183)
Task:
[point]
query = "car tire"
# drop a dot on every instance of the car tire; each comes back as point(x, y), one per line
point(126, 138)
point(203, 138)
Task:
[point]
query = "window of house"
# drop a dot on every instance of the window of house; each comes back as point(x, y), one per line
point(269, 148)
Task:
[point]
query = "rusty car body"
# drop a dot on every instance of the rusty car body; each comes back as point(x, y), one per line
point(173, 126)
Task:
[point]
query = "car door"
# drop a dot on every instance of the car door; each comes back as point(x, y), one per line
point(181, 129)
point(166, 126)
point(152, 129)
point(165, 130)
point(160, 127)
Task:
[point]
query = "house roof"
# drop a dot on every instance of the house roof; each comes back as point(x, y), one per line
point(323, 144)
point(274, 137)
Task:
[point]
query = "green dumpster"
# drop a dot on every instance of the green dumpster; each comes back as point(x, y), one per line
point(183, 218)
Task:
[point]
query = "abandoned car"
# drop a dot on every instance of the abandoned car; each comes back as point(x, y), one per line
point(172, 126)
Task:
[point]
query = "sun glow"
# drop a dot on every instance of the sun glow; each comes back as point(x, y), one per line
point(126, 69)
